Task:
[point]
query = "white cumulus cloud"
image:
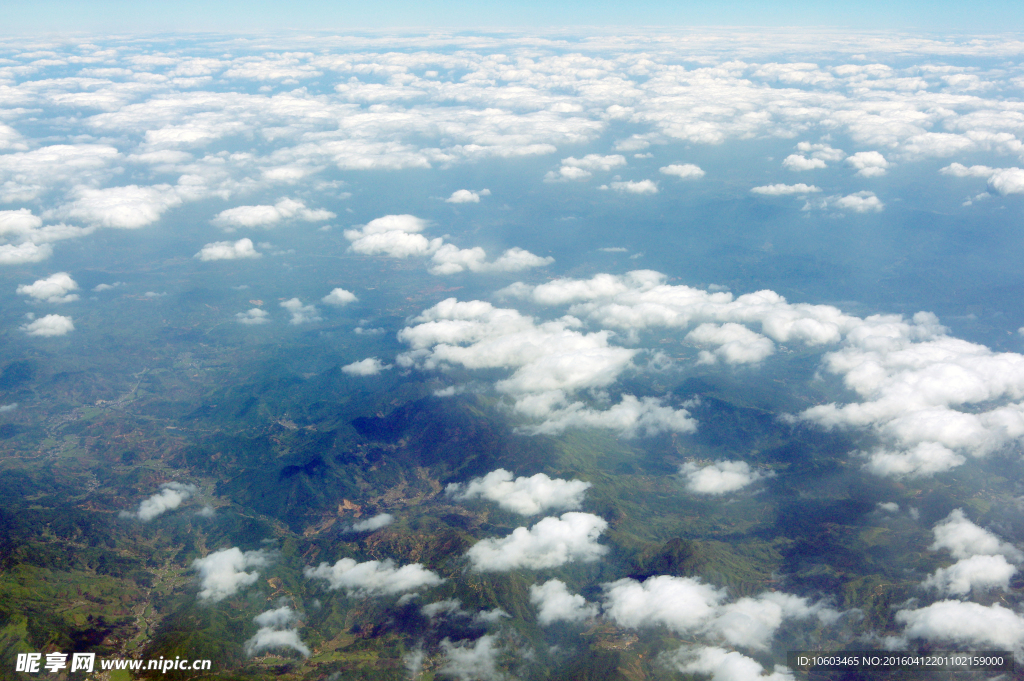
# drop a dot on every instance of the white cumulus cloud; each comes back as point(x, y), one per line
point(556, 604)
point(549, 543)
point(963, 539)
point(56, 288)
point(170, 497)
point(371, 366)
point(374, 577)
point(968, 574)
point(252, 316)
point(50, 325)
point(223, 573)
point(228, 250)
point(686, 171)
point(301, 314)
point(732, 343)
point(526, 496)
point(374, 523)
point(720, 477)
point(785, 189)
point(339, 296)
point(276, 630)
point(268, 216)
point(467, 196)
point(725, 665)
point(868, 163)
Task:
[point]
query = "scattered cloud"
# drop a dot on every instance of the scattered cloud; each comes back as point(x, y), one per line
point(964, 623)
point(860, 202)
point(731, 343)
point(374, 577)
point(963, 539)
point(868, 163)
point(301, 314)
point(170, 497)
point(374, 523)
point(228, 250)
point(276, 630)
point(724, 665)
point(785, 189)
point(721, 477)
point(581, 168)
point(525, 496)
point(686, 171)
point(269, 216)
point(50, 325)
point(556, 604)
point(550, 543)
point(223, 573)
point(631, 187)
point(477, 661)
point(371, 366)
point(974, 573)
point(56, 288)
point(252, 316)
point(467, 196)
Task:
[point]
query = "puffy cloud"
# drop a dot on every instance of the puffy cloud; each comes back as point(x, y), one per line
point(525, 496)
point(725, 665)
point(799, 162)
point(448, 607)
point(128, 207)
point(551, 360)
point(683, 604)
point(56, 288)
point(976, 572)
point(1003, 180)
point(371, 366)
point(785, 189)
point(449, 259)
point(276, 630)
point(50, 325)
point(555, 603)
point(268, 216)
point(966, 623)
point(550, 543)
point(631, 187)
point(963, 539)
point(859, 202)
point(375, 523)
point(868, 163)
point(374, 577)
point(733, 344)
point(228, 250)
point(396, 236)
point(253, 316)
point(301, 314)
point(467, 196)
point(686, 171)
point(170, 497)
point(476, 662)
point(339, 296)
point(752, 622)
point(581, 168)
point(24, 253)
point(721, 477)
point(223, 573)
point(107, 287)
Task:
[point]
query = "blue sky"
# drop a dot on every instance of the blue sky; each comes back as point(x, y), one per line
point(24, 16)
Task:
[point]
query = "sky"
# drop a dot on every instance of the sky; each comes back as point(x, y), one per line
point(21, 16)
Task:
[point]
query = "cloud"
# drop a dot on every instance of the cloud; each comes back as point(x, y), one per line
point(721, 477)
point(56, 288)
point(228, 250)
point(785, 189)
point(301, 314)
point(751, 622)
point(733, 344)
point(50, 325)
point(686, 171)
point(966, 623)
point(375, 523)
point(683, 604)
point(1003, 180)
point(170, 497)
point(724, 665)
point(449, 607)
point(550, 543)
point(555, 604)
point(24, 253)
point(276, 630)
point(472, 662)
point(860, 202)
point(252, 316)
point(525, 496)
point(868, 163)
point(107, 287)
point(339, 296)
point(222, 573)
point(976, 572)
point(964, 539)
point(396, 236)
point(371, 366)
point(581, 168)
point(268, 216)
point(467, 196)
point(631, 187)
point(373, 578)
point(128, 207)
point(799, 162)
point(449, 259)
point(550, 362)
